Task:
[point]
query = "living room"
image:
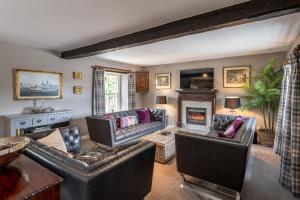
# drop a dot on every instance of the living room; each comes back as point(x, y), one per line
point(197, 101)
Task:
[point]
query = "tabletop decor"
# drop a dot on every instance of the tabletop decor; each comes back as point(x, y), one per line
point(163, 81)
point(236, 77)
point(32, 84)
point(10, 148)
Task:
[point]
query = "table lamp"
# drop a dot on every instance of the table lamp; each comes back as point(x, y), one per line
point(232, 103)
point(161, 100)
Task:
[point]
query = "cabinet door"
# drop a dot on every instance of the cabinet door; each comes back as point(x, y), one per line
point(142, 81)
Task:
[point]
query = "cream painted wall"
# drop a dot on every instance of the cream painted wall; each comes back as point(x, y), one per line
point(256, 62)
point(15, 56)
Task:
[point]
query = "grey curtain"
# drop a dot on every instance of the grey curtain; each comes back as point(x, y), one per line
point(131, 91)
point(98, 92)
point(287, 138)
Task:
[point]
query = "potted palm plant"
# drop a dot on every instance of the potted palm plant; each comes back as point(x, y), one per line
point(264, 95)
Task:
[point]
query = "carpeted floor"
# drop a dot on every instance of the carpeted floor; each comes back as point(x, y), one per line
point(261, 182)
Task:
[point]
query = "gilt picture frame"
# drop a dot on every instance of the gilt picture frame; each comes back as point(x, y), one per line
point(35, 84)
point(163, 81)
point(236, 77)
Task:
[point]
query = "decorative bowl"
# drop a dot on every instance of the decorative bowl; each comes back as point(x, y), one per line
point(10, 148)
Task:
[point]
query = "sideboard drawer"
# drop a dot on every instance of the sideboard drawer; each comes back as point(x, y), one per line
point(66, 117)
point(23, 123)
point(54, 118)
point(39, 121)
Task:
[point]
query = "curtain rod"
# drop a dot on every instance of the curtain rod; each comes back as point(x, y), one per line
point(111, 69)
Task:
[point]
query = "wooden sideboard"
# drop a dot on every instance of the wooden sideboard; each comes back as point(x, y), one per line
point(26, 179)
point(14, 124)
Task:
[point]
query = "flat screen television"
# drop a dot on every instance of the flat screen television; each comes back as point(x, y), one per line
point(197, 79)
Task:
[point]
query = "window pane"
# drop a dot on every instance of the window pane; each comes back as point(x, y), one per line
point(112, 93)
point(111, 83)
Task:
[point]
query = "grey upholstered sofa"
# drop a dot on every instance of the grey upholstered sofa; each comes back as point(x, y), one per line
point(113, 177)
point(103, 129)
point(212, 158)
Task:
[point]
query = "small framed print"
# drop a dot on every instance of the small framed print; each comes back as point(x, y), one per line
point(77, 75)
point(163, 81)
point(77, 89)
point(236, 77)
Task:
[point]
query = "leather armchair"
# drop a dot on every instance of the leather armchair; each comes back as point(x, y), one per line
point(124, 175)
point(217, 160)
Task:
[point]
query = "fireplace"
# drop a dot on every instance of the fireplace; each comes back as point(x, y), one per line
point(196, 109)
point(196, 116)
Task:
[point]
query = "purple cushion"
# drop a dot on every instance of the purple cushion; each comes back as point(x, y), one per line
point(144, 115)
point(233, 128)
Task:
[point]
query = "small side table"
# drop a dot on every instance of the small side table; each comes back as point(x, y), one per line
point(165, 145)
point(26, 179)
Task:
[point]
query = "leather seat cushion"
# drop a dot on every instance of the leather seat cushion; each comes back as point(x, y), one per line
point(137, 129)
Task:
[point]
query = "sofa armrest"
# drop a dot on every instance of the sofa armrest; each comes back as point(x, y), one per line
point(217, 161)
point(101, 130)
point(159, 115)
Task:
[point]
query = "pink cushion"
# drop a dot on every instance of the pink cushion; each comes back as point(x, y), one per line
point(233, 128)
point(144, 115)
point(128, 121)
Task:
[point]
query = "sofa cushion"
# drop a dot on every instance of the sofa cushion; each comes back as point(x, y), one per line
point(221, 122)
point(55, 140)
point(144, 115)
point(127, 121)
point(233, 128)
point(138, 129)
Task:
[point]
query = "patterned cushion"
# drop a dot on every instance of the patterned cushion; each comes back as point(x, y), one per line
point(128, 121)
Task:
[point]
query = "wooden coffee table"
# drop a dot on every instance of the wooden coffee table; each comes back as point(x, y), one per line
point(165, 144)
point(26, 179)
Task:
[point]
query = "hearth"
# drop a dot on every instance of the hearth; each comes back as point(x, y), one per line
point(196, 116)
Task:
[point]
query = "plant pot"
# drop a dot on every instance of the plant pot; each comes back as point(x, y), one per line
point(266, 138)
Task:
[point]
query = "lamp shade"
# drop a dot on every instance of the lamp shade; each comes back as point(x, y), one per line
point(161, 100)
point(232, 102)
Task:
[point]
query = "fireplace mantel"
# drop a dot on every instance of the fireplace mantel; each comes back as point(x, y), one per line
point(195, 95)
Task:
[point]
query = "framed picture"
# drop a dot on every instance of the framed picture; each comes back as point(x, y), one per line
point(77, 75)
point(163, 81)
point(77, 89)
point(236, 77)
point(32, 84)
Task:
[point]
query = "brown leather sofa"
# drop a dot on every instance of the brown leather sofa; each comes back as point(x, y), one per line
point(214, 159)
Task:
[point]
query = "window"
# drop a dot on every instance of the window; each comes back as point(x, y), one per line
point(112, 92)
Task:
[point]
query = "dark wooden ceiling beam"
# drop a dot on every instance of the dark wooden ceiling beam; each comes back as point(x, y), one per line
point(247, 12)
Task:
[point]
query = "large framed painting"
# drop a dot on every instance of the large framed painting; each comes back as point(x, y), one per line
point(163, 81)
point(236, 77)
point(31, 84)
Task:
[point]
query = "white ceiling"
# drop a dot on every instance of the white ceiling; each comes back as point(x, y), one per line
point(66, 24)
point(273, 35)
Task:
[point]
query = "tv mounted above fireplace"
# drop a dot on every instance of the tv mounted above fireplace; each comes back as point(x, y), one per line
point(197, 79)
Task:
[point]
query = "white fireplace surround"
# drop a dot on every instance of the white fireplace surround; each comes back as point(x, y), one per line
point(196, 104)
